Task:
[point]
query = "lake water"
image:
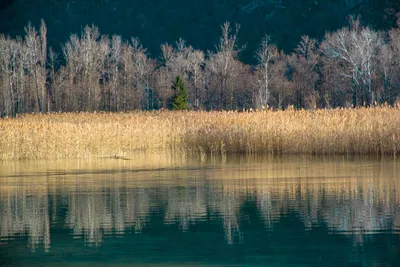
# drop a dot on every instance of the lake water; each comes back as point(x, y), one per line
point(170, 210)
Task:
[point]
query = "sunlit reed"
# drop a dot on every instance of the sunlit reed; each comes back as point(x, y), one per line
point(84, 135)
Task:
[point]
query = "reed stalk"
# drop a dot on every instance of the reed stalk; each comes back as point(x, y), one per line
point(363, 131)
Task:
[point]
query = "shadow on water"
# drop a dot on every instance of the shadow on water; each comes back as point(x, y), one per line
point(236, 211)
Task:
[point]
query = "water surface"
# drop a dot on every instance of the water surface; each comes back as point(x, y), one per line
point(169, 210)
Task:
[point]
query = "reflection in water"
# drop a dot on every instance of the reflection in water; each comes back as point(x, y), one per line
point(349, 197)
point(107, 210)
point(25, 212)
point(185, 205)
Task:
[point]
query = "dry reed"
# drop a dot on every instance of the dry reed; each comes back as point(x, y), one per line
point(82, 135)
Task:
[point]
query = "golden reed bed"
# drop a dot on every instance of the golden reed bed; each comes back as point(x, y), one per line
point(70, 135)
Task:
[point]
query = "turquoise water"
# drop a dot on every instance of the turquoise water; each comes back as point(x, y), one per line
point(168, 211)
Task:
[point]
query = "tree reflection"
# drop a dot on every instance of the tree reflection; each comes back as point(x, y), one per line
point(24, 211)
point(348, 201)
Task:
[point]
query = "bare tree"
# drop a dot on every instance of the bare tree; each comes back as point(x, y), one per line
point(355, 50)
point(56, 81)
point(196, 61)
point(281, 84)
point(36, 46)
point(114, 69)
point(86, 58)
point(264, 55)
point(43, 66)
point(6, 76)
point(304, 77)
point(389, 66)
point(94, 52)
point(22, 63)
point(221, 64)
point(334, 87)
point(73, 70)
point(127, 77)
point(143, 68)
point(352, 66)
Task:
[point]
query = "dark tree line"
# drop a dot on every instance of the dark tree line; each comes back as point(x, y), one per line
point(354, 66)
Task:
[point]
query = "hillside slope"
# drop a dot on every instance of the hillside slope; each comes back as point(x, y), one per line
point(158, 21)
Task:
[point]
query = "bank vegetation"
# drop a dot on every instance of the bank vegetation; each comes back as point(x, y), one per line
point(369, 131)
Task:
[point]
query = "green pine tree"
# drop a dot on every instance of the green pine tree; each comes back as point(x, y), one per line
point(180, 99)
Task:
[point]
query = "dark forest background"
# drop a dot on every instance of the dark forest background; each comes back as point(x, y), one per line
point(198, 22)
